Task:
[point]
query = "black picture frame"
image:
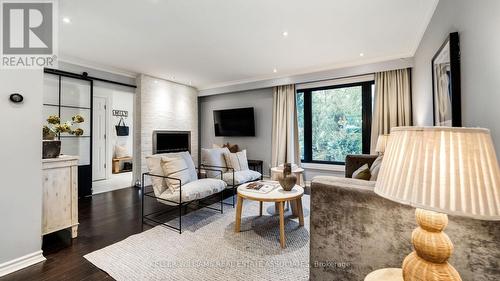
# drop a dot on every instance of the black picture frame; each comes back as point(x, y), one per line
point(446, 91)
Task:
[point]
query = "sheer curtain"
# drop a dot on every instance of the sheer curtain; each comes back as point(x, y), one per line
point(392, 106)
point(285, 134)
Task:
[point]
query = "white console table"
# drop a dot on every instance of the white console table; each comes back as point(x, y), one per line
point(60, 194)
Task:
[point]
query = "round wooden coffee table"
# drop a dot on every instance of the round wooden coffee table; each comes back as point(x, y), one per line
point(279, 197)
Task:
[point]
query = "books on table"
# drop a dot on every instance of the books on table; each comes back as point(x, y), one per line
point(262, 186)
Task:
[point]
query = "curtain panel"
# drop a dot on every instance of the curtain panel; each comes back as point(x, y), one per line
point(392, 105)
point(285, 134)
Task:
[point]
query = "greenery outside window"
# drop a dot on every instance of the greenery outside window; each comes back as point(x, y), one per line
point(334, 121)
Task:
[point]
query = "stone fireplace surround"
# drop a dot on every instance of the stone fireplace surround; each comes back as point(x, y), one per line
point(162, 105)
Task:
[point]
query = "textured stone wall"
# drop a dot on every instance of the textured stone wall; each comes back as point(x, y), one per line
point(163, 105)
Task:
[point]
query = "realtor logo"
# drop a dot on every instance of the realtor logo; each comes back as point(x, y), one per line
point(28, 38)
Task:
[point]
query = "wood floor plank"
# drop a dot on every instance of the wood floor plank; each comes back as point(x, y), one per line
point(104, 219)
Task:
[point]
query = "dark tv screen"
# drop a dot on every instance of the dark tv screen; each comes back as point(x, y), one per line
point(234, 122)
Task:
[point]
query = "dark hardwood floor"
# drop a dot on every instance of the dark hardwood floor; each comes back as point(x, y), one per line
point(104, 219)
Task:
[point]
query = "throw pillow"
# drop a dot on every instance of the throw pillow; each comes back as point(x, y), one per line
point(190, 164)
point(120, 151)
point(233, 148)
point(175, 167)
point(154, 167)
point(363, 173)
point(214, 157)
point(238, 161)
point(375, 168)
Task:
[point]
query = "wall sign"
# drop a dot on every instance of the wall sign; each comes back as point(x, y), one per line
point(120, 113)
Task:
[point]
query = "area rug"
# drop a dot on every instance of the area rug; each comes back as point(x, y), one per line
point(209, 249)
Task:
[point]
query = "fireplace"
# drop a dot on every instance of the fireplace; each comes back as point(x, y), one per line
point(171, 141)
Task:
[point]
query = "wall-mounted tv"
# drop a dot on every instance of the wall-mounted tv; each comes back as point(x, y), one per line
point(234, 122)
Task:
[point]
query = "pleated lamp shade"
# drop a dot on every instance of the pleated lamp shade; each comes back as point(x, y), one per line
point(449, 170)
point(381, 143)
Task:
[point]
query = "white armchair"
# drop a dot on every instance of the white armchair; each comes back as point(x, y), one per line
point(173, 180)
point(214, 159)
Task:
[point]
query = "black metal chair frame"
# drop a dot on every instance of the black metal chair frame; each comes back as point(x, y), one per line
point(146, 218)
point(234, 186)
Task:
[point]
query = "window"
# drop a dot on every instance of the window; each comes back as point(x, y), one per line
point(334, 121)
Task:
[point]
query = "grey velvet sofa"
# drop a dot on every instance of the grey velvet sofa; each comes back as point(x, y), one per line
point(354, 231)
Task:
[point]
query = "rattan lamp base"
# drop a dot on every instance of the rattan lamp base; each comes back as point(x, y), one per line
point(433, 248)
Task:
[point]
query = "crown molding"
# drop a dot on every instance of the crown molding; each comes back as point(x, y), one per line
point(426, 19)
point(106, 68)
point(332, 73)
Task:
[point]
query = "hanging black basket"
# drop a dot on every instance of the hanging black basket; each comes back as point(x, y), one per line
point(121, 128)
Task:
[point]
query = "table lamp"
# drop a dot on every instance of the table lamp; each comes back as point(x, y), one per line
point(381, 144)
point(440, 171)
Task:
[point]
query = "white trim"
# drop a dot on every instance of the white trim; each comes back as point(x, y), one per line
point(426, 20)
point(333, 73)
point(21, 262)
point(323, 167)
point(96, 66)
point(109, 156)
point(333, 82)
point(166, 80)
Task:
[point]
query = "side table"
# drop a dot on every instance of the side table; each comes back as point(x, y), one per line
point(298, 171)
point(256, 165)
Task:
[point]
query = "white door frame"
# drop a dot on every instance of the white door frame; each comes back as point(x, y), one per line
point(107, 160)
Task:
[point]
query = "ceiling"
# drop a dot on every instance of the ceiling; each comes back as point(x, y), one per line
point(215, 43)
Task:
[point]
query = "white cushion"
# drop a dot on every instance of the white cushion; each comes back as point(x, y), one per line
point(214, 157)
point(120, 151)
point(195, 190)
point(241, 176)
point(154, 167)
point(375, 168)
point(175, 167)
point(238, 161)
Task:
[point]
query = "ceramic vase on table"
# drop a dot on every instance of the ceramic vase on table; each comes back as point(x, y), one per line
point(51, 146)
point(51, 149)
point(287, 180)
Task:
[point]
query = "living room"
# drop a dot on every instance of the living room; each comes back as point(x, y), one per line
point(262, 140)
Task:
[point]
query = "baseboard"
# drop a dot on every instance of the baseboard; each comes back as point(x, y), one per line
point(21, 262)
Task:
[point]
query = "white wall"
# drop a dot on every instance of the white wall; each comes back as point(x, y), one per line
point(119, 98)
point(477, 23)
point(21, 165)
point(258, 147)
point(261, 98)
point(163, 105)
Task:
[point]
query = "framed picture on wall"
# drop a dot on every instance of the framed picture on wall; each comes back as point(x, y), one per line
point(446, 83)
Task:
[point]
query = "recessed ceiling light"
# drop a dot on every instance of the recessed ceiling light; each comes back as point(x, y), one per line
point(275, 70)
point(361, 54)
point(156, 81)
point(285, 33)
point(66, 20)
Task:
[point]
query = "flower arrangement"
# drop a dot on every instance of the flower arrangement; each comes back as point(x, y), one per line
point(54, 128)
